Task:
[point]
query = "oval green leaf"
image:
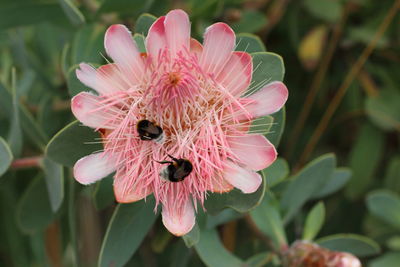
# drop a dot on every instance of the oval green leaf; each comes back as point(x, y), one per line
point(213, 253)
point(275, 173)
point(306, 183)
point(54, 177)
point(72, 143)
point(34, 210)
point(126, 231)
point(390, 259)
point(368, 147)
point(315, 220)
point(386, 206)
point(268, 219)
point(358, 245)
point(338, 179)
point(249, 43)
point(143, 23)
point(267, 67)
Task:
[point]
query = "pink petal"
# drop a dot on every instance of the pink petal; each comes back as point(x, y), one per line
point(121, 47)
point(254, 151)
point(177, 30)
point(93, 167)
point(105, 80)
point(268, 99)
point(245, 180)
point(156, 40)
point(219, 42)
point(88, 109)
point(236, 75)
point(122, 195)
point(111, 79)
point(179, 220)
point(196, 47)
point(87, 75)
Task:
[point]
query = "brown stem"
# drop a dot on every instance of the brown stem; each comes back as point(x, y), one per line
point(24, 163)
point(317, 81)
point(347, 82)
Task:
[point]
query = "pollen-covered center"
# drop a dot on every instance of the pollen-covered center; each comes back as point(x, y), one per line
point(173, 78)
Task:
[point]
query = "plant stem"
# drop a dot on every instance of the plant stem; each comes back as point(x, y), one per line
point(333, 105)
point(24, 163)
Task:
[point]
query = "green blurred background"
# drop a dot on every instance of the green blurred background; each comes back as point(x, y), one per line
point(342, 66)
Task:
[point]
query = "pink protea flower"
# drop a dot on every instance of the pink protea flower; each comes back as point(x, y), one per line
point(197, 95)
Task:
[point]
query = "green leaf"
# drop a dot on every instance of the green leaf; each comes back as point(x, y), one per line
point(249, 43)
point(34, 210)
point(314, 221)
point(139, 39)
point(389, 259)
point(29, 126)
point(234, 199)
point(338, 179)
point(250, 21)
point(358, 245)
point(72, 143)
point(259, 260)
point(224, 216)
point(384, 109)
point(276, 131)
point(28, 12)
point(143, 23)
point(327, 10)
point(72, 12)
point(14, 138)
point(213, 253)
point(54, 177)
point(268, 67)
point(386, 206)
point(275, 173)
point(306, 183)
point(268, 219)
point(262, 125)
point(368, 148)
point(103, 195)
point(6, 156)
point(393, 243)
point(124, 7)
point(126, 231)
point(392, 177)
point(88, 45)
point(193, 237)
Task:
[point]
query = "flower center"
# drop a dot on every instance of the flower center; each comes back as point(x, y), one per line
point(174, 78)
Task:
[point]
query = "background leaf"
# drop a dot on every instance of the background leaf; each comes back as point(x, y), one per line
point(54, 177)
point(355, 244)
point(129, 225)
point(306, 183)
point(34, 210)
point(75, 141)
point(386, 206)
point(6, 156)
point(315, 220)
point(213, 253)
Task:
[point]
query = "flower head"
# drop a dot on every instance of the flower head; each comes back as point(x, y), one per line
point(303, 254)
point(197, 95)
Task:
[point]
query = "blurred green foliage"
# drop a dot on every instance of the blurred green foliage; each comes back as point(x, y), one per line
point(47, 219)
